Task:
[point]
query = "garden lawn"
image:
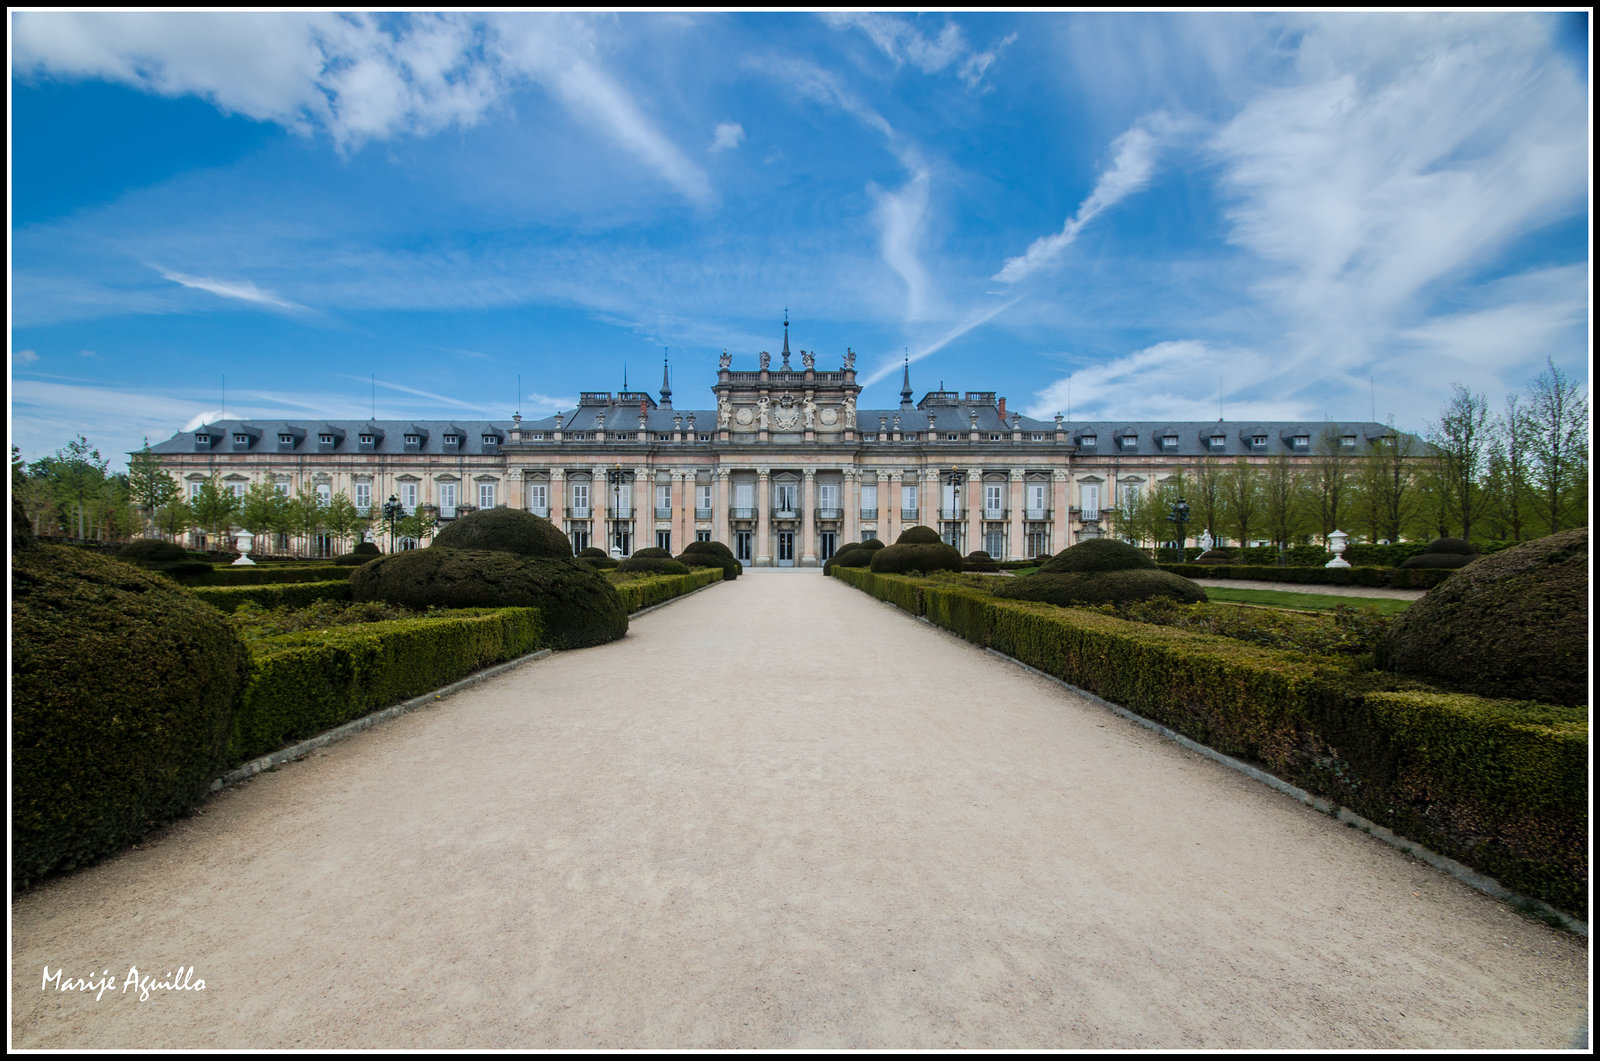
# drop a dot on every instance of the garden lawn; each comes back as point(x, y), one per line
point(1304, 601)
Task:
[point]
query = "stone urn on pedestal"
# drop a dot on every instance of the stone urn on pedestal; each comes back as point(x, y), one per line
point(1336, 542)
point(244, 540)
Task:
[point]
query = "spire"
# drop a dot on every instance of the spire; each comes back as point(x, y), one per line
point(786, 337)
point(666, 381)
point(624, 376)
point(905, 385)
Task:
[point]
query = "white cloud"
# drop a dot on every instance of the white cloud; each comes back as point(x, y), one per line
point(900, 220)
point(973, 320)
point(243, 290)
point(536, 406)
point(1132, 166)
point(903, 43)
point(1169, 381)
point(728, 135)
point(23, 357)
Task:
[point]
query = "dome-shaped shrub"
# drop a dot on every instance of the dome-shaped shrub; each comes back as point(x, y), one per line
point(1513, 624)
point(917, 549)
point(355, 559)
point(123, 689)
point(711, 554)
point(978, 560)
point(506, 530)
point(1099, 571)
point(597, 557)
point(152, 550)
point(367, 549)
point(652, 561)
point(853, 554)
point(578, 606)
point(919, 535)
point(1444, 552)
point(1217, 556)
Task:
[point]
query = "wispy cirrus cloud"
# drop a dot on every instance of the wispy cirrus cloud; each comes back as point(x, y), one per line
point(242, 290)
point(728, 135)
point(24, 357)
point(903, 43)
point(973, 320)
point(1132, 166)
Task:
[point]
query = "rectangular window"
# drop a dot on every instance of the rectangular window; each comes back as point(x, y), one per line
point(622, 494)
point(994, 438)
point(830, 543)
point(1037, 436)
point(952, 437)
point(194, 490)
point(1347, 441)
point(994, 542)
point(324, 495)
point(993, 506)
point(539, 499)
point(236, 489)
point(744, 500)
point(486, 495)
point(1038, 542)
point(786, 498)
point(663, 499)
point(364, 498)
point(1130, 497)
point(950, 507)
point(408, 497)
point(828, 496)
point(908, 501)
point(1037, 506)
point(741, 546)
point(1090, 509)
point(447, 500)
point(702, 499)
point(281, 488)
point(580, 538)
point(580, 500)
point(702, 536)
point(869, 499)
point(664, 540)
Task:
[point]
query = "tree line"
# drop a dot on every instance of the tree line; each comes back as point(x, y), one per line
point(73, 494)
point(1478, 474)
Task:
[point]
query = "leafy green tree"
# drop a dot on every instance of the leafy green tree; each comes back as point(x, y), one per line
point(74, 479)
point(263, 511)
point(1331, 481)
point(174, 517)
point(214, 506)
point(149, 486)
point(1559, 449)
point(1387, 504)
point(305, 515)
point(1283, 501)
point(343, 520)
point(1460, 441)
point(1239, 485)
point(419, 526)
point(1510, 493)
point(1205, 497)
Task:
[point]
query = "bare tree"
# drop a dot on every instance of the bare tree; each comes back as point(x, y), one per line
point(1506, 481)
point(1283, 500)
point(1206, 496)
point(1331, 480)
point(1559, 448)
point(1388, 501)
point(1241, 498)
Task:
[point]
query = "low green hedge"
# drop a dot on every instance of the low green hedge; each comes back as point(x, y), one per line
point(304, 684)
point(264, 574)
point(1390, 577)
point(640, 593)
point(1498, 785)
point(291, 595)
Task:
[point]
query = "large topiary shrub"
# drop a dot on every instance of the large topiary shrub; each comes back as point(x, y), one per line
point(917, 549)
point(1444, 552)
point(123, 694)
point(1099, 571)
point(978, 560)
point(711, 554)
point(577, 605)
point(596, 557)
point(652, 561)
point(1514, 624)
point(367, 549)
point(1217, 556)
point(152, 550)
point(507, 530)
point(853, 554)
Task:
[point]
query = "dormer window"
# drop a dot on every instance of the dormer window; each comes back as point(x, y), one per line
point(413, 440)
point(1212, 441)
point(1087, 441)
point(367, 440)
point(285, 440)
point(452, 440)
point(1301, 441)
point(326, 440)
point(203, 440)
point(1170, 441)
point(1258, 441)
point(1348, 441)
point(240, 439)
point(489, 440)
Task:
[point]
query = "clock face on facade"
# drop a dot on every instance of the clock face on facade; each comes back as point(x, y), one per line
point(830, 417)
point(745, 416)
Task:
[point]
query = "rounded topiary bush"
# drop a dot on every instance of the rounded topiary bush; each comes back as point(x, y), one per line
point(978, 560)
point(917, 549)
point(1217, 556)
point(578, 606)
point(1100, 571)
point(1444, 552)
point(853, 554)
point(506, 530)
point(367, 549)
point(711, 554)
point(597, 557)
point(652, 561)
point(123, 691)
point(1514, 624)
point(152, 551)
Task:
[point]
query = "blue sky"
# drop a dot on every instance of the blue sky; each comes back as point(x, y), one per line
point(1113, 215)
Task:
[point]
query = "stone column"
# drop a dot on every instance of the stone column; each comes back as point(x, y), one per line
point(516, 493)
point(850, 502)
point(931, 498)
point(974, 509)
point(1014, 536)
point(763, 548)
point(721, 498)
point(558, 499)
point(889, 485)
point(644, 522)
point(808, 518)
point(600, 508)
point(1060, 517)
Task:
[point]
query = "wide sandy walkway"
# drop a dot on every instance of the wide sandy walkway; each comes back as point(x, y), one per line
point(779, 814)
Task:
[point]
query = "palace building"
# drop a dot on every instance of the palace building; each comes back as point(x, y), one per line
point(784, 468)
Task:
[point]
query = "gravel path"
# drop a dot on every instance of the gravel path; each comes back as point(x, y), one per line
point(779, 814)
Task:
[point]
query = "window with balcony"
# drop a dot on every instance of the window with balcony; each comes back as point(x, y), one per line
point(1090, 506)
point(908, 502)
point(828, 501)
point(993, 503)
point(408, 498)
point(580, 501)
point(702, 501)
point(486, 495)
point(785, 501)
point(663, 500)
point(447, 500)
point(539, 499)
point(1038, 506)
point(364, 498)
point(869, 502)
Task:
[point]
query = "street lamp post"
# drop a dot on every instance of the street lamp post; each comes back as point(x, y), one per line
point(953, 479)
point(614, 476)
point(391, 513)
point(1180, 516)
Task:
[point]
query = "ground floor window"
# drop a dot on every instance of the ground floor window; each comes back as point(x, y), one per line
point(951, 532)
point(741, 546)
point(406, 543)
point(994, 542)
point(321, 545)
point(664, 540)
point(580, 539)
point(702, 536)
point(1038, 541)
point(829, 540)
point(622, 539)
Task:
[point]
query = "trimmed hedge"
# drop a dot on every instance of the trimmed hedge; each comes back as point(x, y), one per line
point(1099, 587)
point(152, 550)
point(711, 554)
point(1499, 785)
point(917, 549)
point(291, 595)
point(303, 684)
point(1391, 577)
point(123, 694)
point(267, 574)
point(640, 593)
point(507, 530)
point(597, 558)
point(652, 561)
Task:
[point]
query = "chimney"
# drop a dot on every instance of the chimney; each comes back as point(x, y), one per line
point(1002, 410)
